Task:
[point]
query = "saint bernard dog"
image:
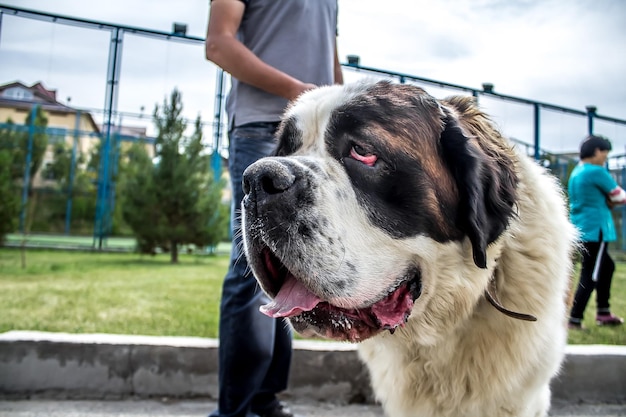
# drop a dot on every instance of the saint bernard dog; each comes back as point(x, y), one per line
point(410, 225)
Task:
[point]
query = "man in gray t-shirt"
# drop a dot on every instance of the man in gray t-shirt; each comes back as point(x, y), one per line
point(274, 51)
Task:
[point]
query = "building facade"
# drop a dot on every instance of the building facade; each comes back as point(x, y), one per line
point(65, 124)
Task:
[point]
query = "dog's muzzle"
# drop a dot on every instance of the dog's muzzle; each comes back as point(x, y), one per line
point(269, 182)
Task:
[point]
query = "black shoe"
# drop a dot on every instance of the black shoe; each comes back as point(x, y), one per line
point(281, 410)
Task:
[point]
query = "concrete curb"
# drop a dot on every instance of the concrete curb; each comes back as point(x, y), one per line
point(89, 366)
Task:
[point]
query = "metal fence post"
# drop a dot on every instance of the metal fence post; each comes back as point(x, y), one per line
point(1, 14)
point(623, 210)
point(70, 184)
point(113, 72)
point(537, 128)
point(115, 149)
point(591, 113)
point(29, 158)
point(216, 158)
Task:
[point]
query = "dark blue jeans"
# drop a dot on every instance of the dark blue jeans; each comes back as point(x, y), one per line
point(255, 350)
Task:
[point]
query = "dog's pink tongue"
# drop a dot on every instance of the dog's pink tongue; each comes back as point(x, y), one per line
point(292, 299)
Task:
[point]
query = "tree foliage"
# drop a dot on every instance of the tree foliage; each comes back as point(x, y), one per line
point(173, 200)
point(60, 170)
point(9, 203)
point(18, 140)
point(17, 145)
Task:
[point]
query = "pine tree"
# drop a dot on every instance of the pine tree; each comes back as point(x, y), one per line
point(140, 207)
point(175, 200)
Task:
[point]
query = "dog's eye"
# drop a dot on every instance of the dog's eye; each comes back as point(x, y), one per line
point(360, 154)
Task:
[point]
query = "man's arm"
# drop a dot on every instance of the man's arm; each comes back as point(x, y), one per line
point(225, 50)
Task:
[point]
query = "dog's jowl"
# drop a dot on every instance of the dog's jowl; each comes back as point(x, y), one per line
point(410, 225)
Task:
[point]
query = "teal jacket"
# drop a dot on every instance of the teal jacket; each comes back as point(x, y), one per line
point(589, 186)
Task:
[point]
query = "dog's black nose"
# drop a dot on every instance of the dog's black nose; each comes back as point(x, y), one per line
point(266, 178)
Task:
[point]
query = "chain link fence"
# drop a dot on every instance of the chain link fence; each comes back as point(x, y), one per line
point(67, 169)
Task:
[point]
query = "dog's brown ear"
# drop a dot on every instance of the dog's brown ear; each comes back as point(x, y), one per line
point(486, 186)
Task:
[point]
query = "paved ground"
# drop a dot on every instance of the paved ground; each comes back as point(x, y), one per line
point(200, 408)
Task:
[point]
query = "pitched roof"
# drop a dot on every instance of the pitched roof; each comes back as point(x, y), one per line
point(42, 96)
point(41, 93)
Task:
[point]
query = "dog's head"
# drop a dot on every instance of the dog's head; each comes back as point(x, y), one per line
point(367, 181)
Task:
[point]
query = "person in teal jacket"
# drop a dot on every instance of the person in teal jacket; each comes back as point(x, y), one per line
point(592, 193)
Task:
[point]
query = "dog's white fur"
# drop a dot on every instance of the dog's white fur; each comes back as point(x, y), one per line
point(480, 362)
point(456, 355)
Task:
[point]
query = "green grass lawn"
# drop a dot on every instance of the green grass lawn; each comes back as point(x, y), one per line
point(80, 292)
point(126, 293)
point(609, 335)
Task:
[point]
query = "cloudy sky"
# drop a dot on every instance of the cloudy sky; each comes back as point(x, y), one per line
point(570, 53)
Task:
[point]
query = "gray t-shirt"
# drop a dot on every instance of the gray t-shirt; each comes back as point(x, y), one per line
point(295, 36)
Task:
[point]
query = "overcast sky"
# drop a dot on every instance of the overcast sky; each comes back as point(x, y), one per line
point(565, 52)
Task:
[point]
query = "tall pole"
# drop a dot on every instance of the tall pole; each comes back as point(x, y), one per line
point(115, 154)
point(110, 107)
point(1, 14)
point(536, 121)
point(29, 158)
point(623, 208)
point(591, 113)
point(70, 184)
point(216, 158)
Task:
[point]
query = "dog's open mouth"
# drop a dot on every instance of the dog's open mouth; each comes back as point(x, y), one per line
point(311, 315)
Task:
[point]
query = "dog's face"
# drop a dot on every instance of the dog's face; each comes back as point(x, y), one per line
point(367, 181)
